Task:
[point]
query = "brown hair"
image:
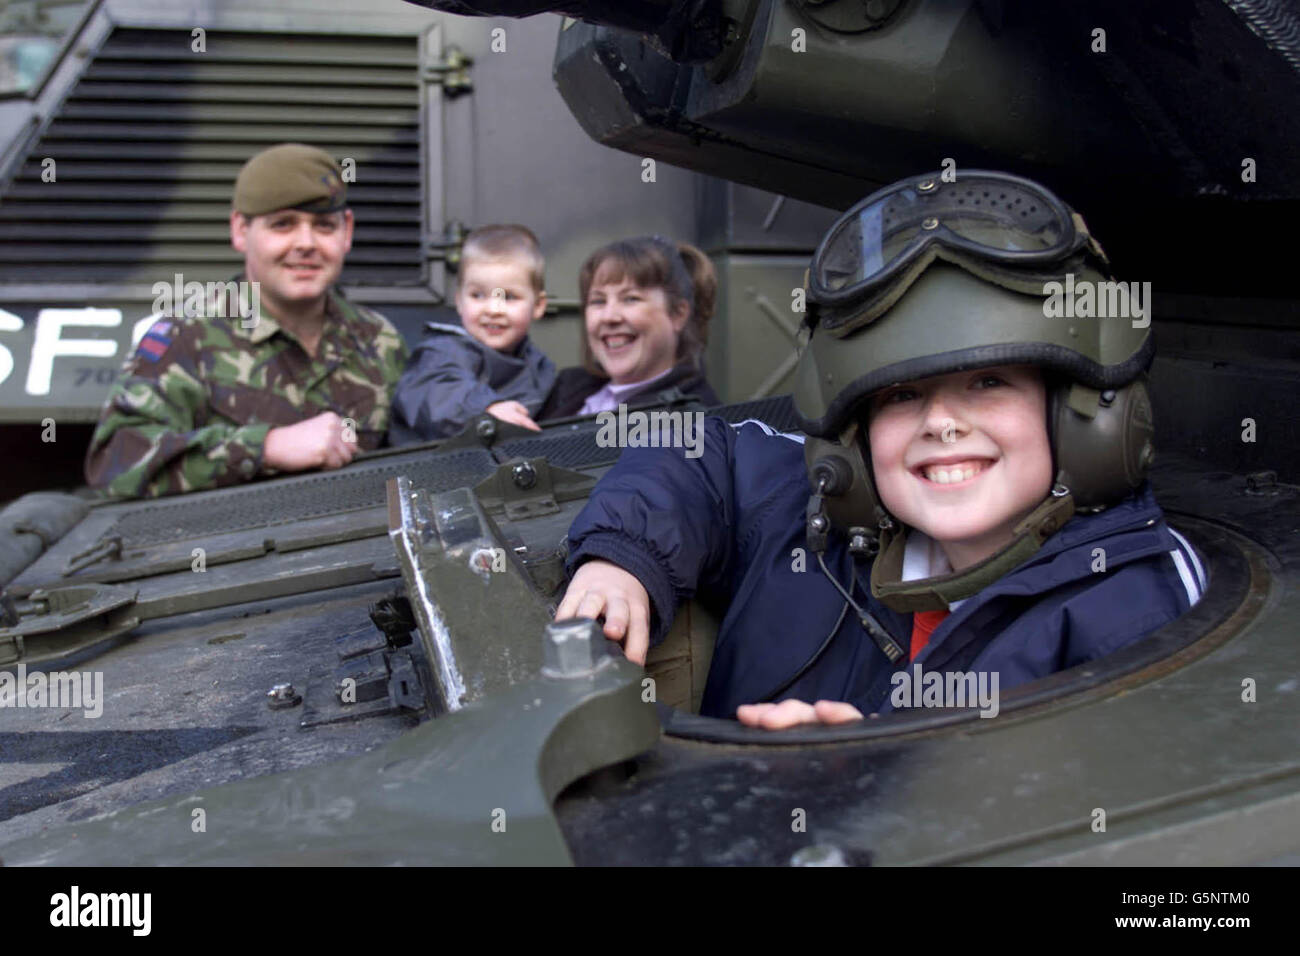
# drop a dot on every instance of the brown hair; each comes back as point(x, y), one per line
point(652, 262)
point(508, 241)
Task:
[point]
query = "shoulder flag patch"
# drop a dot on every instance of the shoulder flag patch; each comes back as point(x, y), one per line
point(156, 341)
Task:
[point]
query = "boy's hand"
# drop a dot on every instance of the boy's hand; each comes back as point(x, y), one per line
point(316, 442)
point(791, 713)
point(601, 587)
point(514, 413)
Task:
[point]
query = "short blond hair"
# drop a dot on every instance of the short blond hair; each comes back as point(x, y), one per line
point(506, 242)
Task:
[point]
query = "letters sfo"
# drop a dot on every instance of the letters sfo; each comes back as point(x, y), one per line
point(48, 340)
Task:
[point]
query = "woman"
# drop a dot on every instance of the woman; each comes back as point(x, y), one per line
point(647, 304)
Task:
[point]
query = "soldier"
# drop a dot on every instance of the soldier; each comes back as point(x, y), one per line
point(223, 398)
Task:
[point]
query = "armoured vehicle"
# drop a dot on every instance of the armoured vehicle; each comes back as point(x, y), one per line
point(357, 667)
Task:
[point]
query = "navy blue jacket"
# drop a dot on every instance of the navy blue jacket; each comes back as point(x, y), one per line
point(452, 377)
point(729, 524)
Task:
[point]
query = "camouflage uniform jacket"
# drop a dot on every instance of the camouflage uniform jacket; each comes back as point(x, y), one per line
point(200, 394)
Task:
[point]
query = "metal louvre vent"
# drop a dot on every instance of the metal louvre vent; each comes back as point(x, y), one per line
point(579, 449)
point(312, 496)
point(573, 450)
point(147, 146)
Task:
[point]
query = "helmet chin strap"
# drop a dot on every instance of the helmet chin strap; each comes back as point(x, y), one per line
point(937, 593)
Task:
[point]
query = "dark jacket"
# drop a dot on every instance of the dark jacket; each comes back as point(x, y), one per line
point(452, 377)
point(730, 522)
point(573, 386)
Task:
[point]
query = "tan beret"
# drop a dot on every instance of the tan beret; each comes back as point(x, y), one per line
point(290, 176)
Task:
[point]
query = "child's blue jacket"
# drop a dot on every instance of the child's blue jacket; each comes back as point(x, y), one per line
point(451, 377)
point(729, 525)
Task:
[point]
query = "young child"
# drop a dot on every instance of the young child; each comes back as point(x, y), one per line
point(487, 363)
point(999, 451)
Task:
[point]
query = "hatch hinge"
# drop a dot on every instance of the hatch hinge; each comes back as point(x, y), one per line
point(58, 621)
point(530, 488)
point(451, 71)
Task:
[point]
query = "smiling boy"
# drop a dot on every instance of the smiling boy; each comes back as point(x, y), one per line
point(963, 458)
point(487, 363)
point(999, 454)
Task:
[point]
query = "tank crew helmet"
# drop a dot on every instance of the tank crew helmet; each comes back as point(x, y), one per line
point(927, 277)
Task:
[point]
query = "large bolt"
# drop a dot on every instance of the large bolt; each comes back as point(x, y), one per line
point(282, 697)
point(486, 429)
point(524, 474)
point(575, 648)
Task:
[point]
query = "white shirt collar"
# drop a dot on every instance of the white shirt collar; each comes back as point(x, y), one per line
point(607, 398)
point(923, 558)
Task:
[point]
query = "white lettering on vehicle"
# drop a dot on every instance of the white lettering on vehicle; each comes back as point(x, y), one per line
point(49, 344)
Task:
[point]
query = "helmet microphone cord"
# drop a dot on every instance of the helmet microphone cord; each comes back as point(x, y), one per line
point(892, 649)
point(878, 634)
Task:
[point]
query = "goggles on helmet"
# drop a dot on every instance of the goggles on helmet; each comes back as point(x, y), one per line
point(1003, 228)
